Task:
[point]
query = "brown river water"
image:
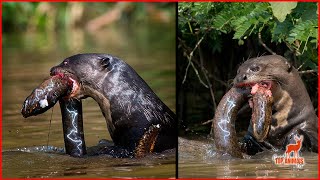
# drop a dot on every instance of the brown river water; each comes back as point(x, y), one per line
point(197, 158)
point(27, 59)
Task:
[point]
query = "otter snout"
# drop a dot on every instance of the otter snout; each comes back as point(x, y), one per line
point(55, 70)
point(240, 78)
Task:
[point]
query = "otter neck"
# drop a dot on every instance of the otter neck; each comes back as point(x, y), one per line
point(103, 103)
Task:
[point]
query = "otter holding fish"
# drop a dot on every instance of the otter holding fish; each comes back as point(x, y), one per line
point(138, 121)
point(281, 108)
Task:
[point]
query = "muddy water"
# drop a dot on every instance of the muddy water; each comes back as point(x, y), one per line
point(197, 158)
point(27, 59)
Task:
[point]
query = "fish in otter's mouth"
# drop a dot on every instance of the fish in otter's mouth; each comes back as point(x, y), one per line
point(47, 94)
point(130, 107)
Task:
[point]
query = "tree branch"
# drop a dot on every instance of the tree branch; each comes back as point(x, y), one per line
point(207, 122)
point(204, 72)
point(308, 71)
point(264, 45)
point(189, 57)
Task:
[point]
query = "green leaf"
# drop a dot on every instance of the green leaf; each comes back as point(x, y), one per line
point(241, 30)
point(281, 31)
point(221, 20)
point(282, 9)
point(303, 31)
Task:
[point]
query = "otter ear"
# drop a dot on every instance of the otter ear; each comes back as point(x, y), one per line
point(104, 62)
point(289, 66)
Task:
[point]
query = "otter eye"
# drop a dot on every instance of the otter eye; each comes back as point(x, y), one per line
point(65, 62)
point(255, 68)
point(105, 62)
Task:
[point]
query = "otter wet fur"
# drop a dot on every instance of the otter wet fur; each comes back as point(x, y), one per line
point(128, 104)
point(292, 110)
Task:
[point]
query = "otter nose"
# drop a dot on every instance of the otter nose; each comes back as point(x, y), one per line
point(241, 78)
point(54, 70)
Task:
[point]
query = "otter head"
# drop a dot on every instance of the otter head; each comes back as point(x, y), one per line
point(272, 72)
point(90, 70)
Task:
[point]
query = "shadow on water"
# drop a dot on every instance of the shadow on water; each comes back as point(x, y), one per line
point(27, 59)
point(198, 158)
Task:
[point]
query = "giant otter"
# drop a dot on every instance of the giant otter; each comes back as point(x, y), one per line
point(292, 110)
point(131, 109)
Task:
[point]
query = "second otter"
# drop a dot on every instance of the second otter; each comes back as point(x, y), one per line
point(293, 112)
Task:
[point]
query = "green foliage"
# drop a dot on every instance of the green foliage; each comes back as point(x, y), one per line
point(51, 16)
point(15, 15)
point(281, 10)
point(294, 24)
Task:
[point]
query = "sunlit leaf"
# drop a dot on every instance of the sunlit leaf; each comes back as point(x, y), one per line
point(282, 9)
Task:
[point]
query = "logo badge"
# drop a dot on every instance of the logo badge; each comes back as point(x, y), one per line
point(291, 155)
